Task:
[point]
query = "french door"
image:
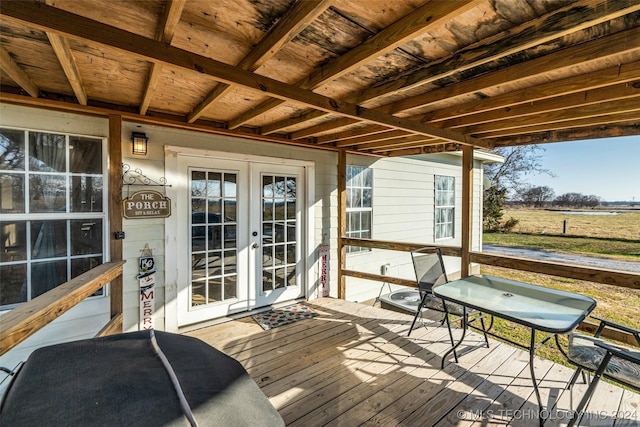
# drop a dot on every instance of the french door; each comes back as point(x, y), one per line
point(240, 243)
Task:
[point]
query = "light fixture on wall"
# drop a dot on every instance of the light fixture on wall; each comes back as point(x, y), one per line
point(139, 142)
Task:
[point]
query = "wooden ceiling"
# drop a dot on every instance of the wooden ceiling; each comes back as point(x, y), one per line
point(382, 77)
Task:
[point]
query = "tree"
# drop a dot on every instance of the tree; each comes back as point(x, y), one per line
point(507, 177)
point(518, 162)
point(537, 196)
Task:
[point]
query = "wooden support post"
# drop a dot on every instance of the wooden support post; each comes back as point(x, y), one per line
point(467, 209)
point(115, 207)
point(342, 221)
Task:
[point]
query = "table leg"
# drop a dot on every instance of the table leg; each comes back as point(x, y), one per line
point(464, 331)
point(532, 351)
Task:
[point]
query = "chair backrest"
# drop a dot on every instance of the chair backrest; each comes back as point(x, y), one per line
point(429, 268)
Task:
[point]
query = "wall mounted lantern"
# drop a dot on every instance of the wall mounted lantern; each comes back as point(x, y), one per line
point(139, 142)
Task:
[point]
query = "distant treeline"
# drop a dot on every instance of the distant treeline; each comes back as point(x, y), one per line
point(539, 197)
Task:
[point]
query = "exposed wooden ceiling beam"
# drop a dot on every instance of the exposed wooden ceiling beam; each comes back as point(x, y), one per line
point(409, 143)
point(581, 99)
point(615, 44)
point(303, 13)
point(418, 22)
point(562, 22)
point(62, 50)
point(397, 143)
point(586, 116)
point(322, 127)
point(67, 24)
point(518, 39)
point(623, 73)
point(350, 133)
point(388, 134)
point(165, 32)
point(17, 74)
point(607, 130)
point(291, 121)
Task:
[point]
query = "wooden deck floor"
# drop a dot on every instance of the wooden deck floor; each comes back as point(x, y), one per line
point(353, 365)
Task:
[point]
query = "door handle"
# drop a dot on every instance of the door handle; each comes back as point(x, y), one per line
point(254, 245)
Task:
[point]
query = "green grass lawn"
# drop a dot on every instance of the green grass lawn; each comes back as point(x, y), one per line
point(615, 236)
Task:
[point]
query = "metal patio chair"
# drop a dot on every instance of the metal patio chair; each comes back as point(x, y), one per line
point(430, 272)
point(605, 359)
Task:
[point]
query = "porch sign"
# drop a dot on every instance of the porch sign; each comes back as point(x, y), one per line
point(324, 270)
point(146, 204)
point(147, 280)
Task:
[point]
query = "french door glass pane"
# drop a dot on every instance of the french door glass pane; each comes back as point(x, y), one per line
point(213, 237)
point(279, 231)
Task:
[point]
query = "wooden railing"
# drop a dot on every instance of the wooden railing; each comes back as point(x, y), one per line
point(609, 277)
point(25, 320)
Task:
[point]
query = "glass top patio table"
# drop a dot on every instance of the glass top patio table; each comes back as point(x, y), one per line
point(537, 307)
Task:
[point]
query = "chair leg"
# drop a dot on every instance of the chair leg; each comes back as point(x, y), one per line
point(590, 390)
point(418, 313)
point(574, 377)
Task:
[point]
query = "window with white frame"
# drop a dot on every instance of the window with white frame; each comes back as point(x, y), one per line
point(445, 207)
point(359, 207)
point(53, 213)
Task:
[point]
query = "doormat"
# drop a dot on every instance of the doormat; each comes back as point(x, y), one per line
point(283, 315)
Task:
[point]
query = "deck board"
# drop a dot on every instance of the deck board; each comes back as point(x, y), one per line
point(354, 365)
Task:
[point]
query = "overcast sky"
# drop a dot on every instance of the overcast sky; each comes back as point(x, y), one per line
point(608, 168)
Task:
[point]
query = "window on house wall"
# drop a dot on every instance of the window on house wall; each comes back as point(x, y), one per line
point(52, 214)
point(444, 207)
point(359, 207)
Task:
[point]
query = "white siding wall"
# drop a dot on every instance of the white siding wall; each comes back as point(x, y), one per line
point(402, 203)
point(404, 211)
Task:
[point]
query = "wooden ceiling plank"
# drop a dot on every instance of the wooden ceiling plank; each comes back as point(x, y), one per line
point(291, 121)
point(620, 91)
point(558, 120)
point(608, 130)
point(62, 50)
point(303, 13)
point(165, 32)
point(566, 125)
point(17, 74)
point(388, 134)
point(319, 128)
point(396, 143)
point(623, 73)
point(67, 24)
point(559, 23)
point(406, 28)
point(350, 133)
point(614, 44)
